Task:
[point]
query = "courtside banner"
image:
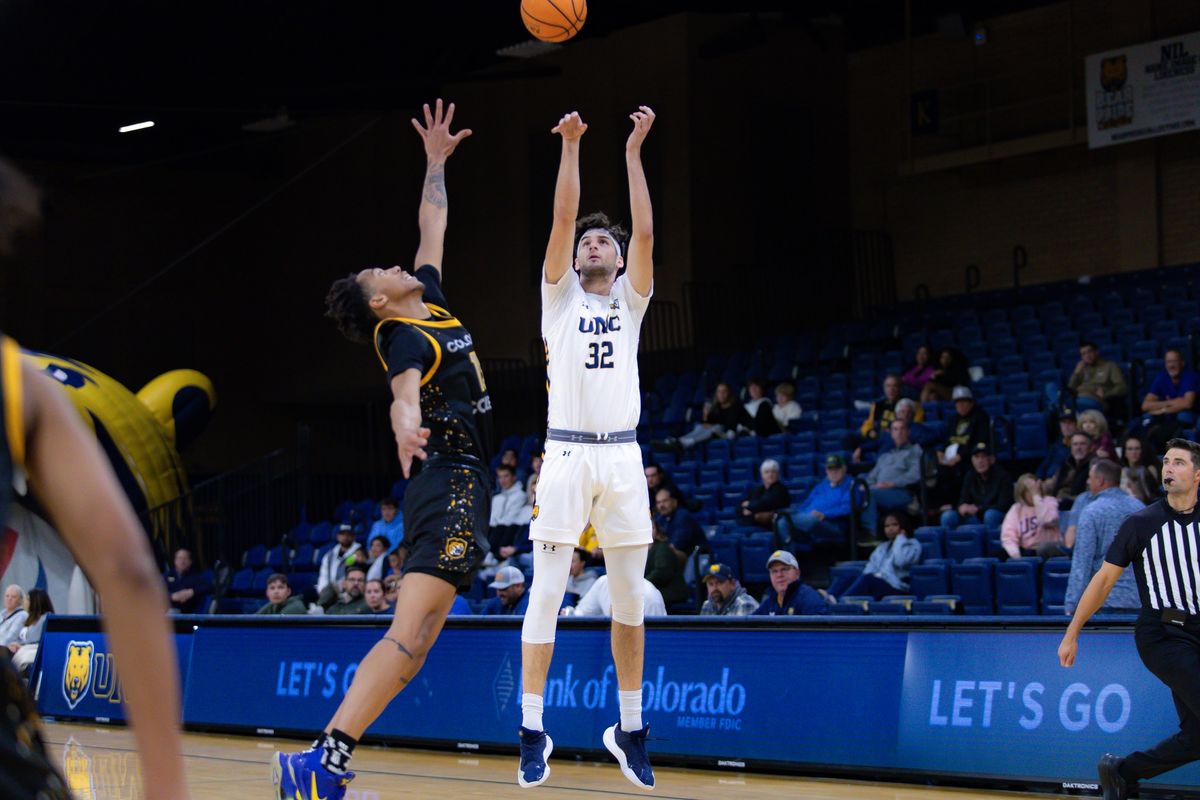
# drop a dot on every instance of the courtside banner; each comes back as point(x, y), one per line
point(1143, 90)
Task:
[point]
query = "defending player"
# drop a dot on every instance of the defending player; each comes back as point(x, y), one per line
point(593, 465)
point(442, 420)
point(42, 437)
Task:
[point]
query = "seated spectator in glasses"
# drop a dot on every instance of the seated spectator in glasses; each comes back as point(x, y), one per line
point(916, 376)
point(1059, 450)
point(786, 410)
point(758, 418)
point(765, 499)
point(951, 371)
point(1095, 425)
point(726, 597)
point(1071, 479)
point(24, 649)
point(511, 597)
point(390, 524)
point(1096, 382)
point(664, 570)
point(969, 426)
point(722, 415)
point(332, 575)
point(1170, 404)
point(787, 595)
point(683, 532)
point(279, 597)
point(1139, 471)
point(893, 475)
point(598, 601)
point(186, 584)
point(986, 492)
point(886, 571)
point(375, 597)
point(350, 600)
point(1031, 526)
point(878, 423)
point(825, 513)
point(580, 578)
point(14, 614)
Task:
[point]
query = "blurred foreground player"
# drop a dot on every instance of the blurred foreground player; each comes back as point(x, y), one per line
point(441, 403)
point(42, 438)
point(1162, 542)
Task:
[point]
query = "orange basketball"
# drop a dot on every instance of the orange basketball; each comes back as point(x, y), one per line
point(553, 20)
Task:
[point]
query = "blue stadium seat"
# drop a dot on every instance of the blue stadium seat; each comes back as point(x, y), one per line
point(877, 607)
point(994, 405)
point(716, 450)
point(974, 583)
point(303, 559)
point(322, 534)
point(242, 582)
point(259, 586)
point(1012, 383)
point(1016, 586)
point(276, 558)
point(1010, 363)
point(847, 610)
point(300, 534)
point(754, 554)
point(301, 582)
point(256, 557)
point(1055, 573)
point(930, 607)
point(932, 539)
point(928, 579)
point(726, 551)
point(341, 512)
point(966, 541)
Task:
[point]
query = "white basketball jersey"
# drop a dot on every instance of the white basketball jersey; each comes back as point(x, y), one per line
point(591, 355)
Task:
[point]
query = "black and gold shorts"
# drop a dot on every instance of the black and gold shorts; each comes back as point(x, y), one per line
point(446, 512)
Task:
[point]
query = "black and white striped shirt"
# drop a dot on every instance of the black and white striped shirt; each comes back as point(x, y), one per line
point(1164, 548)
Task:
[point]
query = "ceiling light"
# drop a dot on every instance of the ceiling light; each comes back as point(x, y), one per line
point(137, 126)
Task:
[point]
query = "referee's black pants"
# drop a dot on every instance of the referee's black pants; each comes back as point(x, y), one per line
point(1172, 653)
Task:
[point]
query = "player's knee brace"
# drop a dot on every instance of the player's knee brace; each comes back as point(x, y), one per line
point(626, 568)
point(552, 568)
point(630, 610)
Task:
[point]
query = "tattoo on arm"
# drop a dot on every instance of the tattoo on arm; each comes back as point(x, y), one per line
point(435, 186)
point(400, 647)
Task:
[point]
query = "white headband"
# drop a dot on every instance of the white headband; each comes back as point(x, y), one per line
point(601, 232)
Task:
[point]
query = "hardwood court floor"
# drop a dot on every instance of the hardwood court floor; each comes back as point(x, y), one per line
point(100, 764)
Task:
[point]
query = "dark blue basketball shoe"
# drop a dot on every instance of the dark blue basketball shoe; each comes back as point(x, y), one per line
point(300, 776)
point(629, 749)
point(536, 747)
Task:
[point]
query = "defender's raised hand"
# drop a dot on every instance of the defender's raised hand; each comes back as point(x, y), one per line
point(643, 119)
point(570, 127)
point(439, 143)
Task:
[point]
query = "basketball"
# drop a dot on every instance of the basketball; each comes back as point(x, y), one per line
point(553, 20)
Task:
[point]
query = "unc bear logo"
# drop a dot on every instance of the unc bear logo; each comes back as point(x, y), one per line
point(77, 674)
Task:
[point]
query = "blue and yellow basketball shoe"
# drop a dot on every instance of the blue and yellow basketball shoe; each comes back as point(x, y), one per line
point(300, 776)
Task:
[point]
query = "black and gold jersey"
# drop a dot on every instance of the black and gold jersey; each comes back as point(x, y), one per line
point(12, 431)
point(455, 405)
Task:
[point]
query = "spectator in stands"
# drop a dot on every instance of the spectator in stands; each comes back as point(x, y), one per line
point(580, 579)
point(893, 474)
point(786, 409)
point(683, 532)
point(1069, 520)
point(187, 586)
point(1139, 471)
point(508, 532)
point(1031, 526)
point(664, 570)
point(789, 595)
point(722, 415)
point(969, 426)
point(24, 649)
point(951, 372)
point(376, 598)
point(509, 459)
point(917, 375)
point(332, 574)
point(886, 571)
point(376, 561)
point(758, 418)
point(1170, 404)
point(986, 492)
point(657, 478)
point(511, 598)
point(391, 586)
point(390, 524)
point(14, 615)
point(1071, 478)
point(1098, 526)
point(598, 602)
point(1096, 382)
point(766, 499)
point(350, 600)
point(918, 432)
point(1059, 450)
point(726, 597)
point(824, 514)
point(879, 420)
point(1095, 425)
point(279, 597)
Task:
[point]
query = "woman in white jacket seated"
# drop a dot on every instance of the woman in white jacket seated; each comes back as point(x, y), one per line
point(24, 650)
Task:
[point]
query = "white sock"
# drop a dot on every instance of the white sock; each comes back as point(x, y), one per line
point(531, 711)
point(631, 710)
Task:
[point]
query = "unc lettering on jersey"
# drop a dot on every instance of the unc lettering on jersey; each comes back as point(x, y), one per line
point(600, 325)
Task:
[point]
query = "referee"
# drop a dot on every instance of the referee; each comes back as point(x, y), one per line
point(1162, 542)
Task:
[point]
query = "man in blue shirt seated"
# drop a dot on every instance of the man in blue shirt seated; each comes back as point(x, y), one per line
point(824, 514)
point(1170, 403)
point(510, 593)
point(390, 524)
point(683, 532)
point(789, 596)
point(1059, 450)
point(187, 587)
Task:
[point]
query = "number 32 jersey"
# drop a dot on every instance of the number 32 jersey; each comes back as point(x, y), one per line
point(591, 355)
